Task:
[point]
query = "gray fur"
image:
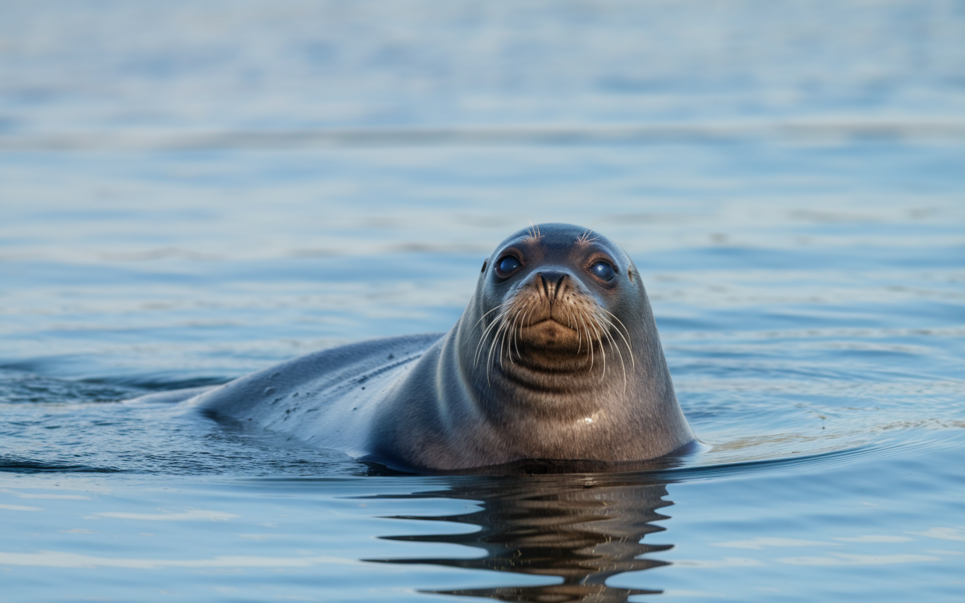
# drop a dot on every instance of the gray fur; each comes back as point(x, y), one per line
point(434, 402)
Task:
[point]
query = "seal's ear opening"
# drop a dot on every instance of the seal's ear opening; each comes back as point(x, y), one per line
point(630, 274)
point(485, 263)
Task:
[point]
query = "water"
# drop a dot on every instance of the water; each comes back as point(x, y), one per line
point(240, 183)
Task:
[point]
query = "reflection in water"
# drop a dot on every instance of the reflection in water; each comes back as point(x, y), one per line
point(583, 528)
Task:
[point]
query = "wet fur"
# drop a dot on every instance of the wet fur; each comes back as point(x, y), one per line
point(546, 364)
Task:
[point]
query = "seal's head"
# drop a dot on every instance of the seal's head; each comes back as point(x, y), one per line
point(560, 338)
point(555, 293)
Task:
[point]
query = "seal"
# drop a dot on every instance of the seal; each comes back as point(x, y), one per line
point(555, 357)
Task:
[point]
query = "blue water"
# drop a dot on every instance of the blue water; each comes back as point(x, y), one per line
point(193, 191)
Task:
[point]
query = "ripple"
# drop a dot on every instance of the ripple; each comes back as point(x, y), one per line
point(814, 130)
point(31, 466)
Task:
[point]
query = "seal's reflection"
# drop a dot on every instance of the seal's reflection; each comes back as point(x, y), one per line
point(583, 528)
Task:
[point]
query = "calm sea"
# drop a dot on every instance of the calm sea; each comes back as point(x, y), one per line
point(191, 191)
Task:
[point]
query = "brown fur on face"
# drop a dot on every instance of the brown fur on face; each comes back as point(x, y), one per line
point(552, 319)
point(553, 314)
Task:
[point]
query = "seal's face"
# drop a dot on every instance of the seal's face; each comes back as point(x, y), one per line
point(556, 356)
point(553, 300)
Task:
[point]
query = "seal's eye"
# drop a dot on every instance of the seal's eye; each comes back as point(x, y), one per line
point(603, 270)
point(507, 266)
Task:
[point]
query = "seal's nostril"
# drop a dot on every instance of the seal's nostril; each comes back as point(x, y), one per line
point(559, 285)
point(542, 279)
point(551, 282)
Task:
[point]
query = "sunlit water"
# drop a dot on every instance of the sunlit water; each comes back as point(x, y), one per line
point(166, 222)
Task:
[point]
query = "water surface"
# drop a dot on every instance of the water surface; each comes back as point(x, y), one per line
point(179, 208)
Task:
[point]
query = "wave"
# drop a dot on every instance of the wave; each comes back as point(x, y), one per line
point(817, 130)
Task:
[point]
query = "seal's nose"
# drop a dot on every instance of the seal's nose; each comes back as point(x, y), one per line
point(552, 282)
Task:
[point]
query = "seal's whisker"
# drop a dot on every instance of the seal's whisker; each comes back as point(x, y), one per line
point(512, 332)
point(576, 315)
point(533, 231)
point(580, 321)
point(609, 339)
point(517, 332)
point(511, 336)
point(483, 337)
point(579, 336)
point(489, 357)
point(495, 324)
point(495, 320)
point(589, 341)
point(603, 318)
point(481, 318)
point(625, 330)
point(626, 338)
point(597, 330)
point(623, 362)
point(500, 338)
point(585, 237)
point(497, 343)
